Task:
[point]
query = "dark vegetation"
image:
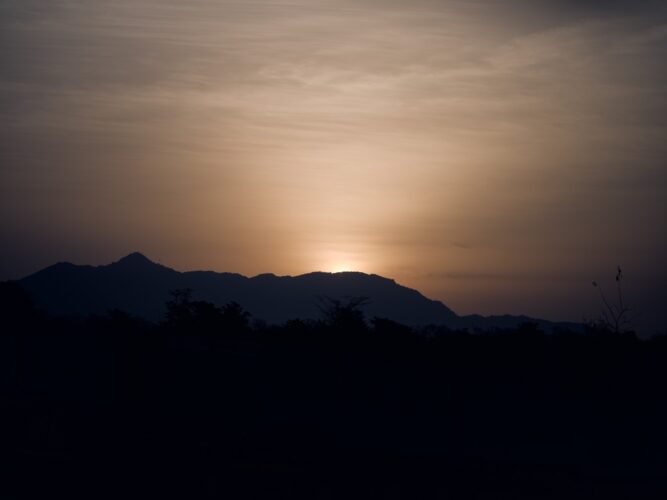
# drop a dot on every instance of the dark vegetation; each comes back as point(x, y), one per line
point(209, 404)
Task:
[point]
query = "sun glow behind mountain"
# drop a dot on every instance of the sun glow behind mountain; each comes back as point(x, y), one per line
point(342, 267)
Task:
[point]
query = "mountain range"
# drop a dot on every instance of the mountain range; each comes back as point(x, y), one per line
point(141, 287)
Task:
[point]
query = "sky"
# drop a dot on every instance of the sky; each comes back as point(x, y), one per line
point(497, 156)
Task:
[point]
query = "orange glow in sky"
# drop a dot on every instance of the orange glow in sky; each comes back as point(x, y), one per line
point(495, 155)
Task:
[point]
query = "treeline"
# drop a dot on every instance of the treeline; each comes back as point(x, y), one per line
point(211, 403)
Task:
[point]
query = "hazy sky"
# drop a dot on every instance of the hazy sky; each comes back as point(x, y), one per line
point(496, 155)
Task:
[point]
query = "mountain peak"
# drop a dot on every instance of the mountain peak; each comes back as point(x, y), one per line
point(134, 260)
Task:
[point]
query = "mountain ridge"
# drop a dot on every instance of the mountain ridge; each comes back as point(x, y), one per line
point(141, 287)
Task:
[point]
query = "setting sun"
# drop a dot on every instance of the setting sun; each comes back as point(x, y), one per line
point(342, 268)
point(340, 262)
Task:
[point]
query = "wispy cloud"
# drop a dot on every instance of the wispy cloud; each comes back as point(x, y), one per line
point(388, 128)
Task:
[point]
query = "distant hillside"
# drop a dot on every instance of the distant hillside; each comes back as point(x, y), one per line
point(141, 287)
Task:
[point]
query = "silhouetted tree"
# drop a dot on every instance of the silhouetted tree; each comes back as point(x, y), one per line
point(235, 318)
point(179, 308)
point(198, 316)
point(341, 315)
point(614, 316)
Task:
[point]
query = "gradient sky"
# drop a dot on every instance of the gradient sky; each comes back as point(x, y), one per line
point(498, 156)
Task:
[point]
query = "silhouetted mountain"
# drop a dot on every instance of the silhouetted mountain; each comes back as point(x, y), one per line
point(139, 286)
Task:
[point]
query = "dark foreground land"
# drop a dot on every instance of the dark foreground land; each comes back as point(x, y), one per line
point(206, 406)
